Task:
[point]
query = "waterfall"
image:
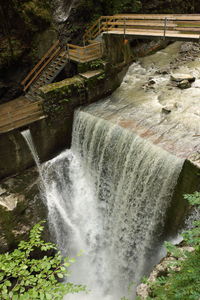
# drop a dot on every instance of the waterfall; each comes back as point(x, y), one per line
point(107, 196)
point(63, 9)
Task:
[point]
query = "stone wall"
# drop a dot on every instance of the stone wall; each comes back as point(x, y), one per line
point(188, 183)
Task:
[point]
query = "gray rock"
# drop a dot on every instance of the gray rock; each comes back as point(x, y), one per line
point(167, 109)
point(184, 84)
point(181, 77)
point(151, 81)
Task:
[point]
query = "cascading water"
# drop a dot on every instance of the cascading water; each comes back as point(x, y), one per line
point(108, 196)
point(27, 136)
point(63, 9)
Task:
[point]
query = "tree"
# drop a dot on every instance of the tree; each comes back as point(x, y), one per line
point(35, 270)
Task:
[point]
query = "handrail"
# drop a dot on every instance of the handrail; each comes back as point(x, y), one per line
point(40, 62)
point(86, 53)
point(42, 68)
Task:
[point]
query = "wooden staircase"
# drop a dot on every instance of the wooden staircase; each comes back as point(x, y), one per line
point(45, 71)
point(54, 61)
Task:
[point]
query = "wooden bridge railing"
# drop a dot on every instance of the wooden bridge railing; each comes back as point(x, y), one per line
point(176, 23)
point(86, 53)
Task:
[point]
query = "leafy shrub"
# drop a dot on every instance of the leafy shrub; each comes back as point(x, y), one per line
point(24, 277)
point(183, 281)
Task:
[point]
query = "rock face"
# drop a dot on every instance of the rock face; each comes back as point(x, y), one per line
point(20, 209)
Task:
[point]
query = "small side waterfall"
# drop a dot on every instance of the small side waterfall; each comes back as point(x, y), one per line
point(108, 196)
point(27, 136)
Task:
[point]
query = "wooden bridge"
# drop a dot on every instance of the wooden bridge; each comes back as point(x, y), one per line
point(171, 26)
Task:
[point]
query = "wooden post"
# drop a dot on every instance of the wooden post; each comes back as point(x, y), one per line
point(165, 27)
point(68, 51)
point(84, 53)
point(107, 24)
point(124, 28)
point(101, 49)
point(11, 120)
point(99, 26)
point(79, 55)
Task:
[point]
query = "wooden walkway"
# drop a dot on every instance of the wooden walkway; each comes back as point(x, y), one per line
point(170, 26)
point(22, 111)
point(18, 113)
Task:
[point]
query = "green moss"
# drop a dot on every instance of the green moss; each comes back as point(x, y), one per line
point(90, 66)
point(36, 14)
point(62, 89)
point(10, 55)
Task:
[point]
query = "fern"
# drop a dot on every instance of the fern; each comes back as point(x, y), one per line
point(182, 282)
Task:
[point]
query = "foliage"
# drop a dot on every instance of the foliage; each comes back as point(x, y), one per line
point(183, 280)
point(23, 276)
point(91, 9)
point(34, 13)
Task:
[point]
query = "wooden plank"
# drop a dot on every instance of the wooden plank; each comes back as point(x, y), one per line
point(142, 23)
point(188, 23)
point(19, 116)
point(96, 44)
point(21, 123)
point(173, 34)
point(74, 46)
point(184, 29)
point(21, 110)
point(159, 16)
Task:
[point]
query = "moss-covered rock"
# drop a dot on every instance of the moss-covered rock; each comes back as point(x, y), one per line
point(65, 89)
point(93, 65)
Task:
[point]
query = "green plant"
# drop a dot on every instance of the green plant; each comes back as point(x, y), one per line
point(35, 270)
point(183, 279)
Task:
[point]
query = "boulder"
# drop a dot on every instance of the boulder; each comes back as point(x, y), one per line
point(184, 84)
point(181, 77)
point(151, 81)
point(167, 109)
